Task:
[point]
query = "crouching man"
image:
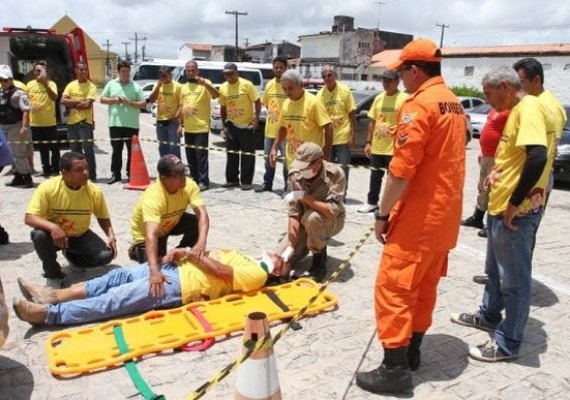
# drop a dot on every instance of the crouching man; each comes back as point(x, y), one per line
point(316, 209)
point(125, 291)
point(60, 213)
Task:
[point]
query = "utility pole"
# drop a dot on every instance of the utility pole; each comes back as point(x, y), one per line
point(137, 39)
point(236, 14)
point(107, 59)
point(443, 26)
point(380, 3)
point(127, 58)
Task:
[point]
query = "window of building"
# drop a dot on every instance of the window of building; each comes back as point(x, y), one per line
point(546, 67)
point(469, 70)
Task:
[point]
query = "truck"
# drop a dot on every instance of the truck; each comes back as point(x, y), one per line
point(21, 47)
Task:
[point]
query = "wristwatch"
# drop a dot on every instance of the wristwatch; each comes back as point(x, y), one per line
point(379, 217)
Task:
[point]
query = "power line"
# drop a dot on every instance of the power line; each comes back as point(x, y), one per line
point(236, 14)
point(107, 59)
point(137, 39)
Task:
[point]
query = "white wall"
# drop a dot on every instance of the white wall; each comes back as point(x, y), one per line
point(322, 46)
point(556, 78)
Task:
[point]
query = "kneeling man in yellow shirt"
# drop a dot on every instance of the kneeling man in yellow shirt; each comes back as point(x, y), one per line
point(60, 212)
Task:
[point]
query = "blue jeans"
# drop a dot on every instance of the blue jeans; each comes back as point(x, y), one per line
point(197, 156)
point(269, 171)
point(80, 137)
point(509, 268)
point(167, 135)
point(122, 291)
point(341, 155)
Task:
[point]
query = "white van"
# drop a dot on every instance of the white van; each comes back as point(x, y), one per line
point(147, 71)
point(265, 68)
point(214, 71)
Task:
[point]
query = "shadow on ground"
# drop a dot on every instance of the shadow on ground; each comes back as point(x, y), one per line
point(542, 295)
point(13, 251)
point(16, 380)
point(444, 358)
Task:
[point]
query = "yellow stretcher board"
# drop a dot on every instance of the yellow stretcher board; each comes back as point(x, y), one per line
point(87, 349)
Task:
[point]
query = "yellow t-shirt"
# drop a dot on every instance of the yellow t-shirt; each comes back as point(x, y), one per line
point(196, 285)
point(159, 206)
point(384, 113)
point(168, 101)
point(304, 120)
point(526, 125)
point(19, 84)
point(42, 108)
point(238, 100)
point(70, 209)
point(76, 90)
point(338, 104)
point(273, 98)
point(196, 107)
point(556, 109)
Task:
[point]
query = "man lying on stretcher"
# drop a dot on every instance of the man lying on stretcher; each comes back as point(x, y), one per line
point(125, 291)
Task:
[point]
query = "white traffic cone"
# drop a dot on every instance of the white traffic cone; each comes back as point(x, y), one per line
point(257, 377)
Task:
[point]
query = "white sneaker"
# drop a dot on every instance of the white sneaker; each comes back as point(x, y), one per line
point(367, 208)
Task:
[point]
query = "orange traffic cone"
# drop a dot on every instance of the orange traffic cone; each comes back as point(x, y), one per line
point(139, 179)
point(4, 329)
point(257, 376)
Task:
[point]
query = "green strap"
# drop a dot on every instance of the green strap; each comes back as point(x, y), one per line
point(131, 367)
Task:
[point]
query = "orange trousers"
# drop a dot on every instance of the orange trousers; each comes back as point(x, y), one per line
point(405, 292)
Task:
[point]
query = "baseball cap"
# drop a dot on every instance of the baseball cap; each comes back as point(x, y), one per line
point(6, 72)
point(390, 74)
point(420, 49)
point(305, 155)
point(170, 165)
point(230, 67)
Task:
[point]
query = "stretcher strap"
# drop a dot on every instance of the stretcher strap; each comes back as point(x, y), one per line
point(207, 343)
point(279, 303)
point(131, 367)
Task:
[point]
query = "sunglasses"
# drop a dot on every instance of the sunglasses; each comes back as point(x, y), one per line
point(4, 80)
point(330, 75)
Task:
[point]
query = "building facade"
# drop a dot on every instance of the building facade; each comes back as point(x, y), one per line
point(350, 49)
point(102, 63)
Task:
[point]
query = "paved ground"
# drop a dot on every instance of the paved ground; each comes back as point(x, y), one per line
point(319, 361)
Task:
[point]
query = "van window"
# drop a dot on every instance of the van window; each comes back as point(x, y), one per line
point(216, 76)
point(147, 72)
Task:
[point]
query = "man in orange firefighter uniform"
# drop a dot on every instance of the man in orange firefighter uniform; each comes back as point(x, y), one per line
point(418, 216)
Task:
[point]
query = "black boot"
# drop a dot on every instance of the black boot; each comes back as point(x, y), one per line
point(17, 181)
point(414, 353)
point(27, 182)
point(4, 238)
point(476, 220)
point(393, 376)
point(318, 269)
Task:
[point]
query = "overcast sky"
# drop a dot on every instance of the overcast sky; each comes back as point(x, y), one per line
point(168, 24)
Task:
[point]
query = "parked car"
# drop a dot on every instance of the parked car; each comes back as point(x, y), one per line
point(363, 100)
point(562, 160)
point(470, 102)
point(478, 118)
